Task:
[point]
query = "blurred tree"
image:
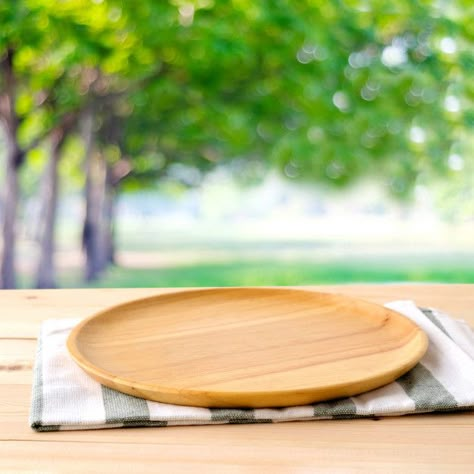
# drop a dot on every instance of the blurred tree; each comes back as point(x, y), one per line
point(45, 274)
point(105, 168)
point(49, 68)
point(326, 91)
point(14, 159)
point(23, 89)
point(35, 100)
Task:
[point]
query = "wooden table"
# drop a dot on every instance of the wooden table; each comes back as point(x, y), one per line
point(417, 443)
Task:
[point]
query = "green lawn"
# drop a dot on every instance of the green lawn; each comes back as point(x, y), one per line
point(181, 260)
point(282, 273)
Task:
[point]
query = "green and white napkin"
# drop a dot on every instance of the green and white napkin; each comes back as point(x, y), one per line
point(65, 398)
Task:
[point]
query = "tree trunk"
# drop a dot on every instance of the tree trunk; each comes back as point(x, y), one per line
point(109, 217)
point(102, 182)
point(45, 275)
point(92, 235)
point(14, 160)
point(98, 231)
point(10, 204)
point(38, 218)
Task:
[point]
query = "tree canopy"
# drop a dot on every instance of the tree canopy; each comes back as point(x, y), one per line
point(324, 90)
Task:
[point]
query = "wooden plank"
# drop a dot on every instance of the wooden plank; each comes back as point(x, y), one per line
point(16, 361)
point(423, 443)
point(17, 354)
point(23, 310)
point(250, 449)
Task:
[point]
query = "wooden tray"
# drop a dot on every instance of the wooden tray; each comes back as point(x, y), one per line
point(246, 347)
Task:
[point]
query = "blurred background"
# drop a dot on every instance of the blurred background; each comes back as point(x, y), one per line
point(202, 143)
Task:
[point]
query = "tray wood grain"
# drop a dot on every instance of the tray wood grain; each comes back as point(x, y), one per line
point(246, 347)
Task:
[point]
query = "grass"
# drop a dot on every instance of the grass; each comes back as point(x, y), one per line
point(184, 260)
point(260, 273)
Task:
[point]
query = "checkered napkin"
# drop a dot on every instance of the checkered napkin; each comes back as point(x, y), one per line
point(65, 398)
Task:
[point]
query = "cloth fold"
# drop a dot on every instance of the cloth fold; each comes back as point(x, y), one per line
point(66, 398)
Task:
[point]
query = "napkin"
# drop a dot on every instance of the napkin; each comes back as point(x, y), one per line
point(66, 398)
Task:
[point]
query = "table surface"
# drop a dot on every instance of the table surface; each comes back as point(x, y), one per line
point(416, 443)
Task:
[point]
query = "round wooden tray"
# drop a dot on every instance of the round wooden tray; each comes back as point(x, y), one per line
point(246, 347)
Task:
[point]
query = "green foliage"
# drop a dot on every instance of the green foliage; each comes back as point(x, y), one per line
point(325, 91)
point(43, 45)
